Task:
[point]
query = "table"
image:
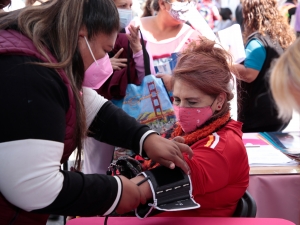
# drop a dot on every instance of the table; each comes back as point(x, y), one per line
point(276, 191)
point(275, 170)
point(179, 221)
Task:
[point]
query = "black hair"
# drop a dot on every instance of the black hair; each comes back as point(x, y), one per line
point(225, 13)
point(155, 5)
point(105, 22)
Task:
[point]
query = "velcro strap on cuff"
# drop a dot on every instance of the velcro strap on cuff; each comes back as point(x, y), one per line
point(171, 191)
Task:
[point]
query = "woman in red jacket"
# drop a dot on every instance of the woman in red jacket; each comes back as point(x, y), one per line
point(202, 88)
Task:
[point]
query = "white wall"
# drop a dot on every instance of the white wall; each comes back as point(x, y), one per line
point(15, 4)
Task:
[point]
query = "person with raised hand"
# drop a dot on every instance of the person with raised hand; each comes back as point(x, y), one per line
point(167, 34)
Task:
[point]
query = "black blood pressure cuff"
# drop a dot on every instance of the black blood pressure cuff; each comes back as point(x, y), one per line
point(171, 191)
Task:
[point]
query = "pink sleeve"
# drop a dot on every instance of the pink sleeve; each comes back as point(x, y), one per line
point(139, 65)
point(139, 60)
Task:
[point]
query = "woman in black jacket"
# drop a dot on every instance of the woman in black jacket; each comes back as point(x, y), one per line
point(47, 54)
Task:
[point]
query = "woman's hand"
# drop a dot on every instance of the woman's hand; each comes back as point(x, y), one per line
point(144, 187)
point(118, 64)
point(134, 39)
point(167, 153)
point(131, 197)
point(247, 75)
point(167, 80)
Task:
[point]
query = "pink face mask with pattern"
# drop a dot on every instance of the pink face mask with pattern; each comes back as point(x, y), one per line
point(192, 118)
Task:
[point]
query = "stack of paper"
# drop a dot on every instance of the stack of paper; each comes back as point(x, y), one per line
point(267, 155)
point(231, 39)
point(287, 142)
point(261, 153)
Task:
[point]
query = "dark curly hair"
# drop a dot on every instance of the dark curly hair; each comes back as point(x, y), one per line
point(263, 16)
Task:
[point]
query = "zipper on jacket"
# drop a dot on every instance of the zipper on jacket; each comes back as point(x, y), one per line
point(15, 217)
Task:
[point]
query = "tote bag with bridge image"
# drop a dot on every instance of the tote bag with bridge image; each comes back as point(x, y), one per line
point(149, 103)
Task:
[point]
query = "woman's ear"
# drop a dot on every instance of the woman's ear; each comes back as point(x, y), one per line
point(221, 98)
point(162, 4)
point(83, 31)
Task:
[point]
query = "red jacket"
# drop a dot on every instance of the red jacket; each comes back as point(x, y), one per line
point(219, 173)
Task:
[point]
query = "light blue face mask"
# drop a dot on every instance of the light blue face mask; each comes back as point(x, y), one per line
point(125, 16)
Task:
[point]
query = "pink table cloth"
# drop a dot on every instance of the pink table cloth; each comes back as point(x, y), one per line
point(276, 196)
point(179, 221)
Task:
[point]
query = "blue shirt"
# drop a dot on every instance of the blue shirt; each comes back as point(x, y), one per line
point(255, 55)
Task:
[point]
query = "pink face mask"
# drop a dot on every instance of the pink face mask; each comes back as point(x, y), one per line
point(98, 72)
point(192, 118)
